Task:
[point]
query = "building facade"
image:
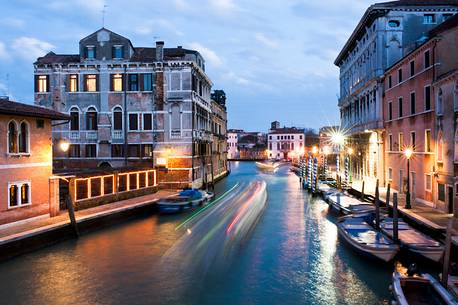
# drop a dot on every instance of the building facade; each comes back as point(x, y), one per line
point(386, 32)
point(285, 143)
point(26, 177)
point(232, 143)
point(130, 106)
point(410, 123)
point(219, 131)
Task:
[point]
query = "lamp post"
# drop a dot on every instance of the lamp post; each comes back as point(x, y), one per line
point(350, 152)
point(325, 161)
point(408, 153)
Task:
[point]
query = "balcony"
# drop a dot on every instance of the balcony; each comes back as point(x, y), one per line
point(117, 134)
point(74, 135)
point(175, 133)
point(91, 135)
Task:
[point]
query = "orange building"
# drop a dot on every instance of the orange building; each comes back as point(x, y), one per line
point(27, 187)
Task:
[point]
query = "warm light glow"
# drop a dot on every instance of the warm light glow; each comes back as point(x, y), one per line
point(314, 150)
point(408, 152)
point(337, 138)
point(64, 145)
point(161, 161)
point(326, 150)
point(350, 151)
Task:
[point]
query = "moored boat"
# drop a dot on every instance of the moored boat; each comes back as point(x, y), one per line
point(413, 240)
point(348, 205)
point(185, 200)
point(365, 239)
point(419, 289)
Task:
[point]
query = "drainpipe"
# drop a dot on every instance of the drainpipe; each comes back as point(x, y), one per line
point(125, 116)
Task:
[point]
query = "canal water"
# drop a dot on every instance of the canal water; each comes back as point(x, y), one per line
point(292, 255)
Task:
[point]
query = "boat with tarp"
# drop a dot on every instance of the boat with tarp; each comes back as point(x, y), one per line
point(185, 200)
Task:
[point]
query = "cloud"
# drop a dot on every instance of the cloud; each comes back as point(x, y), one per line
point(181, 5)
point(150, 26)
point(31, 48)
point(222, 6)
point(3, 52)
point(92, 6)
point(208, 54)
point(268, 42)
point(12, 22)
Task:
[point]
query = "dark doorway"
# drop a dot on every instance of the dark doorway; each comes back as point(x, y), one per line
point(63, 194)
point(450, 199)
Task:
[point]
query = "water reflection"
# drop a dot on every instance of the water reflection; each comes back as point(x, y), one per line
point(292, 256)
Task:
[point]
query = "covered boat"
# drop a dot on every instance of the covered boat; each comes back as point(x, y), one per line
point(363, 238)
point(185, 200)
point(348, 205)
point(421, 289)
point(413, 240)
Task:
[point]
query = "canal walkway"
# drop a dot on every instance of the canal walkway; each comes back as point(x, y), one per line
point(20, 232)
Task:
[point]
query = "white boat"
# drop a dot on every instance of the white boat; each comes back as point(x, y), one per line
point(185, 200)
point(453, 285)
point(266, 166)
point(413, 240)
point(419, 290)
point(348, 205)
point(364, 239)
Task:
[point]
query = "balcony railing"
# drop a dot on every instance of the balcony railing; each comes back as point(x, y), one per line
point(174, 134)
point(91, 135)
point(117, 134)
point(74, 135)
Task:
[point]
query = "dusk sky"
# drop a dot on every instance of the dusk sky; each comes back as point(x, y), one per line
point(274, 59)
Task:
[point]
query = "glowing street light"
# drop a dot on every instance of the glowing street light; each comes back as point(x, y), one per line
point(64, 145)
point(314, 150)
point(408, 152)
point(350, 151)
point(337, 138)
point(326, 150)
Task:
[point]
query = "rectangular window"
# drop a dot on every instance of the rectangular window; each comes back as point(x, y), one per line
point(134, 150)
point(412, 103)
point(13, 190)
point(412, 68)
point(89, 52)
point(175, 82)
point(81, 189)
point(108, 185)
point(147, 82)
point(427, 98)
point(118, 52)
point(117, 82)
point(401, 141)
point(428, 182)
point(413, 139)
point(390, 82)
point(400, 76)
point(122, 182)
point(400, 107)
point(141, 179)
point(74, 151)
point(147, 121)
point(427, 140)
point(73, 83)
point(390, 173)
point(133, 82)
point(441, 192)
point(390, 111)
point(427, 61)
point(429, 19)
point(91, 120)
point(18, 194)
point(96, 187)
point(74, 120)
point(91, 150)
point(147, 150)
point(151, 178)
point(42, 83)
point(133, 121)
point(133, 181)
point(117, 150)
point(390, 142)
point(90, 83)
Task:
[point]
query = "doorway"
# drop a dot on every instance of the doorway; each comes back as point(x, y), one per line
point(450, 200)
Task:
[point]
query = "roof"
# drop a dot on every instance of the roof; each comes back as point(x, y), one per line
point(287, 130)
point(52, 58)
point(15, 108)
point(380, 9)
point(444, 26)
point(149, 54)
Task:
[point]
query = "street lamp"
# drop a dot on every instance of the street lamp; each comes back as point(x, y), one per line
point(325, 161)
point(350, 152)
point(408, 153)
point(64, 145)
point(314, 150)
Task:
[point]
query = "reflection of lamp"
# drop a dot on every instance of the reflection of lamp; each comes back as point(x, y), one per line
point(350, 151)
point(64, 145)
point(314, 150)
point(408, 153)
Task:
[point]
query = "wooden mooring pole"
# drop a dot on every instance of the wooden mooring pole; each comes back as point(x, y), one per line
point(377, 207)
point(362, 192)
point(448, 245)
point(387, 201)
point(71, 215)
point(395, 218)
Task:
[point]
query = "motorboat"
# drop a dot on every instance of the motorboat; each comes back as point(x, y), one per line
point(413, 240)
point(419, 290)
point(363, 238)
point(348, 205)
point(270, 166)
point(185, 200)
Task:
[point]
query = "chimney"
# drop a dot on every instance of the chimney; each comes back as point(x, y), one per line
point(159, 51)
point(180, 47)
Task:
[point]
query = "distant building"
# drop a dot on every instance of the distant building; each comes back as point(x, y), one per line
point(219, 130)
point(285, 143)
point(26, 178)
point(130, 106)
point(386, 32)
point(232, 143)
point(246, 145)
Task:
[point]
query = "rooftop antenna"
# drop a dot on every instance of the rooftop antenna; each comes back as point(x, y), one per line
point(103, 15)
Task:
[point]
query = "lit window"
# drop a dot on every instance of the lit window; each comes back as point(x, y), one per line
point(118, 52)
point(25, 194)
point(116, 82)
point(401, 141)
point(90, 83)
point(18, 194)
point(427, 140)
point(42, 83)
point(13, 189)
point(12, 138)
point(147, 150)
point(73, 80)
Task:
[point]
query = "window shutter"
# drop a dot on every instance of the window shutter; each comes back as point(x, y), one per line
point(47, 83)
point(97, 83)
point(140, 82)
point(85, 52)
point(85, 83)
point(111, 82)
point(113, 51)
point(36, 83)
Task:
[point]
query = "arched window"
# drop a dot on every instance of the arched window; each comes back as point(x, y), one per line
point(117, 118)
point(75, 119)
point(440, 148)
point(12, 138)
point(24, 138)
point(440, 103)
point(91, 119)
